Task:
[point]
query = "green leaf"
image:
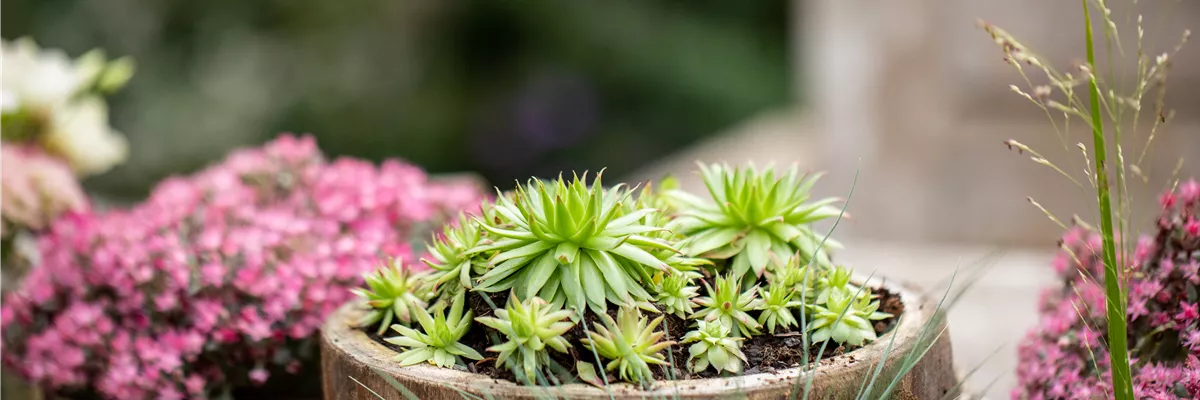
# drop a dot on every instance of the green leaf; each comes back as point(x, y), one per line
point(570, 280)
point(502, 271)
point(711, 239)
point(635, 254)
point(758, 246)
point(511, 234)
point(587, 373)
point(593, 282)
point(539, 273)
point(566, 252)
point(609, 269)
point(533, 248)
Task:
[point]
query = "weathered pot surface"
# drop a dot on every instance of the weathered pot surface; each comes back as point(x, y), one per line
point(352, 362)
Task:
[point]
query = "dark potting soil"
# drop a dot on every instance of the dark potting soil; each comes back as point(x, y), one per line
point(764, 354)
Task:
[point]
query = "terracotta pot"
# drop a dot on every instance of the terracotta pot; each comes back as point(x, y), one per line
point(348, 354)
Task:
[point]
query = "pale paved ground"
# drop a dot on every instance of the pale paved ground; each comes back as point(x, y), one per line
point(994, 314)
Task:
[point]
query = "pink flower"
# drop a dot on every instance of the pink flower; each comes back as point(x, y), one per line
point(1187, 313)
point(259, 375)
point(1056, 358)
point(1167, 199)
point(240, 262)
point(1189, 192)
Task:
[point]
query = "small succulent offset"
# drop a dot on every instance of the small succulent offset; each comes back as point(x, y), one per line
point(675, 292)
point(530, 327)
point(713, 346)
point(631, 343)
point(837, 280)
point(728, 305)
point(450, 258)
point(775, 307)
point(753, 216)
point(846, 319)
point(572, 244)
point(395, 292)
point(796, 276)
point(439, 344)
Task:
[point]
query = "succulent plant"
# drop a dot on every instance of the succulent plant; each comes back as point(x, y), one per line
point(675, 292)
point(845, 318)
point(751, 217)
point(573, 244)
point(796, 276)
point(712, 345)
point(439, 343)
point(648, 197)
point(394, 293)
point(630, 342)
point(837, 280)
point(728, 305)
point(775, 307)
point(451, 260)
point(530, 327)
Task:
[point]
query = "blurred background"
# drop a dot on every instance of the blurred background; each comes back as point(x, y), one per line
point(505, 89)
point(908, 93)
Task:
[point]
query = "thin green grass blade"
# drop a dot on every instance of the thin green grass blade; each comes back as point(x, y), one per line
point(1117, 331)
point(596, 356)
point(869, 381)
point(408, 394)
point(908, 360)
point(957, 389)
point(365, 387)
point(808, 384)
point(803, 299)
point(924, 342)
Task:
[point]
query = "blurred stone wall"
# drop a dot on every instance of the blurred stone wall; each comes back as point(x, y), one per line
point(915, 96)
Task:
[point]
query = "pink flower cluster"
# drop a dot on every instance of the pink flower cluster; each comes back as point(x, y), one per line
point(217, 280)
point(1065, 356)
point(35, 188)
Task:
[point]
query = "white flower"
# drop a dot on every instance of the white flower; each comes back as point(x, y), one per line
point(52, 100)
point(79, 132)
point(42, 78)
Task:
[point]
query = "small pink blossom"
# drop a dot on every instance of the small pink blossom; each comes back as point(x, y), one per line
point(1189, 192)
point(1188, 313)
point(259, 375)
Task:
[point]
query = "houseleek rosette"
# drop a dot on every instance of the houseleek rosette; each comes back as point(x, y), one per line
point(572, 244)
point(631, 343)
point(530, 327)
point(726, 304)
point(675, 292)
point(775, 307)
point(451, 260)
point(713, 345)
point(395, 292)
point(846, 319)
point(439, 343)
point(752, 218)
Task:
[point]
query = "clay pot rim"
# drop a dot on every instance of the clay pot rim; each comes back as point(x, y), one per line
point(918, 310)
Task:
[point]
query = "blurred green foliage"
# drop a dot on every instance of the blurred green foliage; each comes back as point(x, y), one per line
point(506, 88)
